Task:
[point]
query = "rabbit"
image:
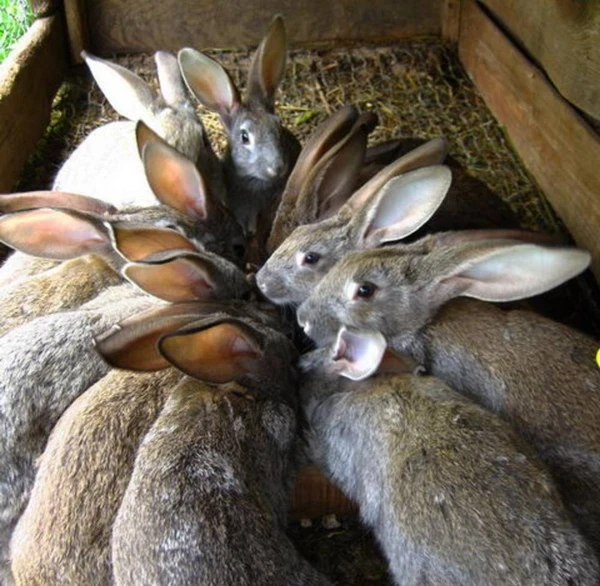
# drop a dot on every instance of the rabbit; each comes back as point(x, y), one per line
point(261, 152)
point(304, 257)
point(538, 375)
point(64, 533)
point(452, 493)
point(48, 362)
point(106, 164)
point(208, 496)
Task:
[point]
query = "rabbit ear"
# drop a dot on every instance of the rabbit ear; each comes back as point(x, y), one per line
point(16, 202)
point(132, 344)
point(209, 82)
point(54, 234)
point(127, 93)
point(357, 355)
point(268, 65)
point(430, 153)
point(145, 134)
point(215, 352)
point(134, 243)
point(175, 278)
point(402, 206)
point(336, 179)
point(172, 87)
point(175, 180)
point(507, 271)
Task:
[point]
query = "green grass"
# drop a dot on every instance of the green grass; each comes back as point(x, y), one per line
point(15, 18)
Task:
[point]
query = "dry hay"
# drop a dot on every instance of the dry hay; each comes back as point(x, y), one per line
point(418, 89)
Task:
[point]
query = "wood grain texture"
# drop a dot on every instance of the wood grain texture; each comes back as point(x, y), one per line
point(29, 79)
point(451, 20)
point(77, 27)
point(143, 25)
point(563, 36)
point(557, 146)
point(315, 496)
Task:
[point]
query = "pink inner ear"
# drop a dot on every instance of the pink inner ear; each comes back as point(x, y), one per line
point(52, 234)
point(175, 180)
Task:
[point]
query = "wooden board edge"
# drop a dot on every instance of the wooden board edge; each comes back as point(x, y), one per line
point(557, 146)
point(29, 79)
point(450, 16)
point(77, 29)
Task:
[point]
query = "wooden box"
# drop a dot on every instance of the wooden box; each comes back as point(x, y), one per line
point(536, 64)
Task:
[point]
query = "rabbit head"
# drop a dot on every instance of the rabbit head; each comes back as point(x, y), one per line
point(397, 290)
point(391, 210)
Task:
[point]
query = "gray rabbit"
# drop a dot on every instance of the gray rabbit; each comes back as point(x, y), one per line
point(539, 375)
point(208, 496)
point(106, 164)
point(48, 362)
point(64, 533)
point(453, 495)
point(261, 152)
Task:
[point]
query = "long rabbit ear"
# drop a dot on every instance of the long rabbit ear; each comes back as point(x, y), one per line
point(175, 180)
point(183, 276)
point(132, 343)
point(401, 207)
point(209, 82)
point(172, 86)
point(357, 355)
point(430, 153)
point(214, 351)
point(145, 134)
point(508, 270)
point(54, 234)
point(134, 243)
point(268, 65)
point(16, 202)
point(127, 93)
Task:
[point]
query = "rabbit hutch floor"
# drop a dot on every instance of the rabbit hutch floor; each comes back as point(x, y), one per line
point(418, 89)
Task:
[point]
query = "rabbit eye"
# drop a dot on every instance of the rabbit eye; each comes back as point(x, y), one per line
point(365, 290)
point(311, 258)
point(239, 250)
point(245, 137)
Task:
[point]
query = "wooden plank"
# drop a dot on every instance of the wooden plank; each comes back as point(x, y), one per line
point(557, 146)
point(315, 496)
point(451, 20)
point(77, 26)
point(142, 25)
point(563, 36)
point(29, 79)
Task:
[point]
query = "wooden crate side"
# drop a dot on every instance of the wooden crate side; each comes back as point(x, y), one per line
point(563, 36)
point(450, 26)
point(139, 25)
point(29, 79)
point(557, 146)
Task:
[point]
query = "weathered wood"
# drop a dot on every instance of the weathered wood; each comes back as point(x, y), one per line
point(140, 25)
point(45, 7)
point(315, 496)
point(451, 20)
point(563, 36)
point(558, 147)
point(77, 26)
point(29, 79)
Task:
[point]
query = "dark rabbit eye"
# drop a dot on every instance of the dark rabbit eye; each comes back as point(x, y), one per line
point(245, 136)
point(366, 290)
point(311, 258)
point(239, 250)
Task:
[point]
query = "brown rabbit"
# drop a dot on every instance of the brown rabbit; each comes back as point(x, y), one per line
point(212, 477)
point(539, 375)
point(261, 152)
point(64, 533)
point(452, 493)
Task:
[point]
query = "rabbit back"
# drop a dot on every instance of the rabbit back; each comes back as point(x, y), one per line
point(453, 495)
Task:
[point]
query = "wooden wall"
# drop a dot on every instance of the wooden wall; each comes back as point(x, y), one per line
point(140, 25)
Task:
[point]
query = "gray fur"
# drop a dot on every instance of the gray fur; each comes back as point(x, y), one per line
point(209, 492)
point(453, 495)
point(537, 374)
